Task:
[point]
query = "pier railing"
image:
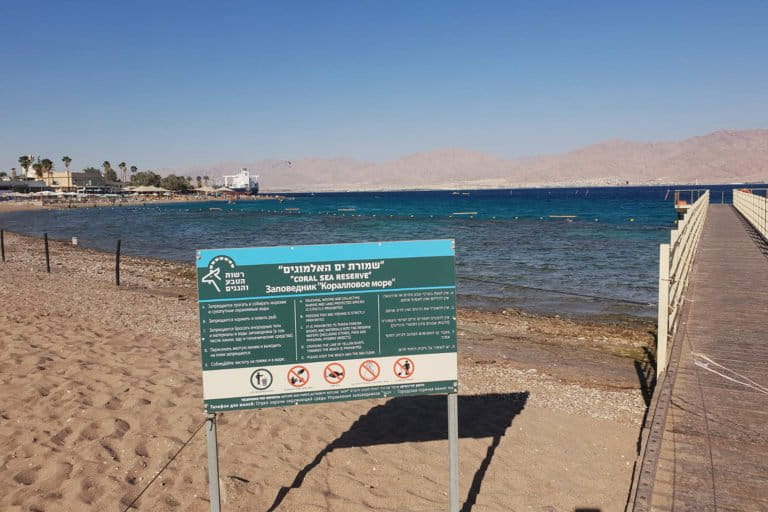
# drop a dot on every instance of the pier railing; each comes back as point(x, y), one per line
point(752, 203)
point(675, 261)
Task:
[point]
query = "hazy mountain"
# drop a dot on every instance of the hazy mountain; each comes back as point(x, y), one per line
point(723, 157)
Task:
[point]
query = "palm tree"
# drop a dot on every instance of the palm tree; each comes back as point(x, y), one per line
point(205, 179)
point(122, 166)
point(189, 180)
point(47, 166)
point(38, 167)
point(25, 162)
point(199, 181)
point(134, 169)
point(67, 161)
point(107, 166)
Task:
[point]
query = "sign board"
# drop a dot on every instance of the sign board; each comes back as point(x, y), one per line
point(322, 323)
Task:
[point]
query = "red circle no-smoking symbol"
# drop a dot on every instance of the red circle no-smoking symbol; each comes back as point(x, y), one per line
point(298, 376)
point(334, 373)
point(404, 367)
point(369, 370)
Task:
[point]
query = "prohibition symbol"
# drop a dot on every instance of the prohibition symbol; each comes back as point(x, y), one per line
point(369, 370)
point(404, 367)
point(261, 379)
point(298, 376)
point(333, 373)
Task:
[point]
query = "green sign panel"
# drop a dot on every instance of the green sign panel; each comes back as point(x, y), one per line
point(291, 325)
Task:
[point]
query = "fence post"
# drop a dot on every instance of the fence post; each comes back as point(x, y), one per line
point(47, 255)
point(117, 264)
point(2, 243)
point(662, 329)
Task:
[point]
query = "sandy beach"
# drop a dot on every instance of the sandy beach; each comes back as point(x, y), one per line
point(101, 392)
point(94, 202)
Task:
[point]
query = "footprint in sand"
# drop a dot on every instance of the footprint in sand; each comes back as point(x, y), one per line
point(61, 436)
point(84, 400)
point(171, 501)
point(111, 451)
point(141, 450)
point(121, 427)
point(89, 491)
point(28, 476)
point(52, 477)
point(114, 403)
point(90, 432)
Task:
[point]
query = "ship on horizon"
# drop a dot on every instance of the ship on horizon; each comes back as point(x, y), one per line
point(242, 182)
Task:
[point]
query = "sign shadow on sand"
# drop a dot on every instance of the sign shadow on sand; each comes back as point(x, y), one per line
point(424, 418)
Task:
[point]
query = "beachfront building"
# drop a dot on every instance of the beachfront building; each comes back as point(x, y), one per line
point(69, 181)
point(23, 186)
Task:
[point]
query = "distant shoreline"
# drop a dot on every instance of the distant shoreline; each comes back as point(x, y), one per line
point(27, 205)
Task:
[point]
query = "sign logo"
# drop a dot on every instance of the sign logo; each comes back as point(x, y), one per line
point(404, 367)
point(298, 376)
point(333, 373)
point(369, 370)
point(216, 267)
point(261, 379)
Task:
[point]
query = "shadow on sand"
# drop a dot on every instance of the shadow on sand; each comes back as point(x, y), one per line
point(425, 418)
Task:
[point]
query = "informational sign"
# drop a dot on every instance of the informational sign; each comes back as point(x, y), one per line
point(322, 323)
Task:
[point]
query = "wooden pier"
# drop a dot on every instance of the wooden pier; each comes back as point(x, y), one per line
point(706, 436)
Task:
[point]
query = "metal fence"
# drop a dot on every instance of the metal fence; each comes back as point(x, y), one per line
point(675, 261)
point(752, 203)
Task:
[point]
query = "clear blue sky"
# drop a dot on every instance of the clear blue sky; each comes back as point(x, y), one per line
point(166, 84)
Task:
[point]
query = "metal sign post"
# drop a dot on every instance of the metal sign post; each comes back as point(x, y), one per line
point(47, 254)
point(453, 450)
point(213, 462)
point(117, 264)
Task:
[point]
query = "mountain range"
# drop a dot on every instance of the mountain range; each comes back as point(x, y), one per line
point(719, 157)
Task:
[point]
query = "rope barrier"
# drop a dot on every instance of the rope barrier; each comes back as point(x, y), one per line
point(559, 292)
point(130, 505)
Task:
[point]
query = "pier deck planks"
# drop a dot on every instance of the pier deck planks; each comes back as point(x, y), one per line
point(714, 449)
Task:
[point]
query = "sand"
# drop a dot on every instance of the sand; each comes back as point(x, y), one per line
point(101, 388)
point(95, 202)
point(11, 206)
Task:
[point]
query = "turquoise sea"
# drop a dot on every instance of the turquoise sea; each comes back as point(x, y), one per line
point(558, 251)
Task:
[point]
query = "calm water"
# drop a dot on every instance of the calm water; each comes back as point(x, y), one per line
point(510, 252)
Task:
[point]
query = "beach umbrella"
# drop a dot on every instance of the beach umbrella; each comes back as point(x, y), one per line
point(149, 189)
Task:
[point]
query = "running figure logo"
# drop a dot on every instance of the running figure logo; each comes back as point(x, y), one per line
point(215, 267)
